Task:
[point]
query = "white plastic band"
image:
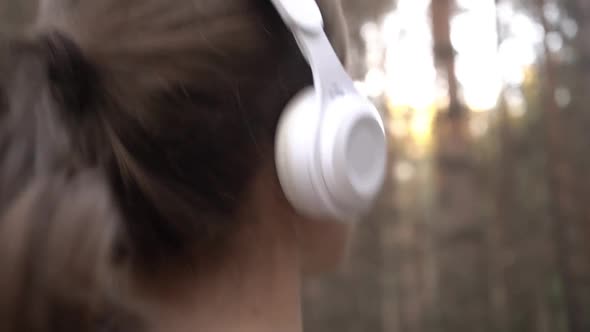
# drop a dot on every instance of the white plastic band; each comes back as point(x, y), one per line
point(304, 19)
point(330, 78)
point(302, 14)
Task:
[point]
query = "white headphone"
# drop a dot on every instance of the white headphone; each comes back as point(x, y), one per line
point(330, 144)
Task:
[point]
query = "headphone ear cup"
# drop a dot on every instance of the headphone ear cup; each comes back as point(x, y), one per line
point(334, 171)
point(294, 148)
point(353, 155)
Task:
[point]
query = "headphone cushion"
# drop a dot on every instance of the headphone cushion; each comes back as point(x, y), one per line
point(294, 148)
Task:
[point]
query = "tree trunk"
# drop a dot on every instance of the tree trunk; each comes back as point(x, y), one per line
point(571, 259)
point(460, 240)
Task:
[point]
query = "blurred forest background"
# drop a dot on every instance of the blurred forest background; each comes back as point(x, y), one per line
point(484, 223)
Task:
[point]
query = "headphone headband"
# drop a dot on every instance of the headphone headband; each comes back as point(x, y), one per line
point(302, 14)
point(304, 20)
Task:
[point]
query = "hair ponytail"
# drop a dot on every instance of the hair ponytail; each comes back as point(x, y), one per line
point(71, 76)
point(57, 258)
point(61, 233)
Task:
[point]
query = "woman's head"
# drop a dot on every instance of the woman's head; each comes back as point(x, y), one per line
point(173, 107)
point(185, 102)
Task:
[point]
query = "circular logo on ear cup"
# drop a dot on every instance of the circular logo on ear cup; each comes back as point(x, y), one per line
point(335, 91)
point(353, 153)
point(365, 157)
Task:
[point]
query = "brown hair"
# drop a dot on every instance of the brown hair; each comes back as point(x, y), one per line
point(129, 133)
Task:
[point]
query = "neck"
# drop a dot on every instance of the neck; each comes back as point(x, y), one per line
point(257, 293)
point(256, 288)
